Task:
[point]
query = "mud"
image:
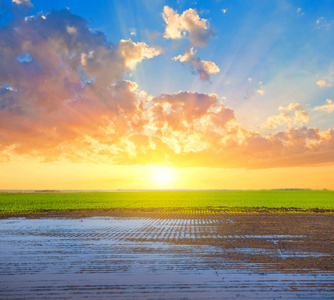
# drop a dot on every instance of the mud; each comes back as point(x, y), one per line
point(160, 212)
point(167, 254)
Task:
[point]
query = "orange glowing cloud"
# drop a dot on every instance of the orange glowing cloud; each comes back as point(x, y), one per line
point(63, 96)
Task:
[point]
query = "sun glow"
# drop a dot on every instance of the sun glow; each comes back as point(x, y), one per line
point(162, 175)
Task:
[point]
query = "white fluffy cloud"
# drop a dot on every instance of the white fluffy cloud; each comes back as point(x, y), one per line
point(292, 115)
point(201, 67)
point(277, 120)
point(22, 2)
point(177, 26)
point(134, 53)
point(328, 107)
point(292, 107)
point(105, 64)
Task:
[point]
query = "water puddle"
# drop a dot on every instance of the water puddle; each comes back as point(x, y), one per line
point(107, 257)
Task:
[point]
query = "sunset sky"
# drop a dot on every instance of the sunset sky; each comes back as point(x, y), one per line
point(166, 94)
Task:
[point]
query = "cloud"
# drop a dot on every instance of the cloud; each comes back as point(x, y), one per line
point(321, 83)
point(325, 83)
point(63, 98)
point(133, 53)
point(177, 26)
point(277, 120)
point(224, 10)
point(323, 24)
point(292, 107)
point(22, 2)
point(260, 92)
point(64, 39)
point(201, 67)
point(185, 110)
point(298, 116)
point(299, 12)
point(71, 29)
point(105, 64)
point(61, 83)
point(328, 107)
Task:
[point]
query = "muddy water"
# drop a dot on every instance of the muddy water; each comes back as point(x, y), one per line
point(173, 256)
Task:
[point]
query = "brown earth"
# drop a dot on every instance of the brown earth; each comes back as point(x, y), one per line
point(157, 211)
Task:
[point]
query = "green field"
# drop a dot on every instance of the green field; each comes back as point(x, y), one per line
point(34, 202)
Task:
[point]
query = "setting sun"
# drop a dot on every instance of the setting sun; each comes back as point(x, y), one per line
point(163, 176)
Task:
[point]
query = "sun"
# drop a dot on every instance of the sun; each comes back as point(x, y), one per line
point(163, 175)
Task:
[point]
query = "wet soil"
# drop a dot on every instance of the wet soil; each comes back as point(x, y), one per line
point(159, 212)
point(167, 254)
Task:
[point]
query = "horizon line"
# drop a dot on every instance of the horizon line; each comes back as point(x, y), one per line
point(150, 190)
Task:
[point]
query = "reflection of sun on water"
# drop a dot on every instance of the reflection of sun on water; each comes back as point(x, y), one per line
point(163, 176)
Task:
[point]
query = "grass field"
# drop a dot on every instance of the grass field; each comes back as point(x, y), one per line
point(33, 202)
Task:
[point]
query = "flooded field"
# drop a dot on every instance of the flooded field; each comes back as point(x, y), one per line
point(167, 254)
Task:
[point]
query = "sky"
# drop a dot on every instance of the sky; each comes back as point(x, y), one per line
point(166, 94)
